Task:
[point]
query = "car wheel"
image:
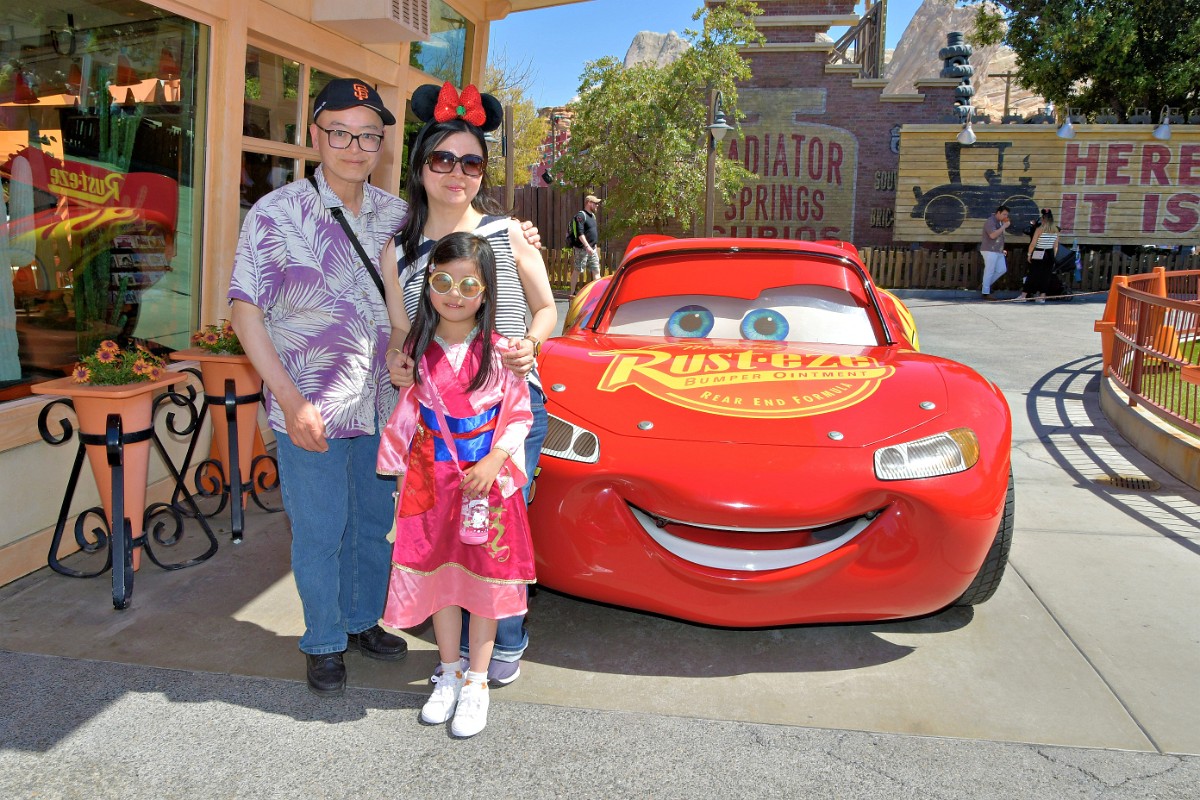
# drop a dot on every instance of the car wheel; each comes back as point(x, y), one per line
point(987, 580)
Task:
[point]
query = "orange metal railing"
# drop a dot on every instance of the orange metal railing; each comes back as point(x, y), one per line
point(1150, 338)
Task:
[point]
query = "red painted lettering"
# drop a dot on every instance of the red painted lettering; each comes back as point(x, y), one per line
point(1150, 213)
point(780, 167)
point(1089, 164)
point(1189, 165)
point(1118, 158)
point(1182, 215)
point(816, 159)
point(1155, 158)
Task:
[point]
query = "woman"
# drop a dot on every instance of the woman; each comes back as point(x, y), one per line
point(446, 178)
point(1043, 245)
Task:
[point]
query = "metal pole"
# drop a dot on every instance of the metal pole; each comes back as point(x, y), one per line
point(710, 179)
point(507, 149)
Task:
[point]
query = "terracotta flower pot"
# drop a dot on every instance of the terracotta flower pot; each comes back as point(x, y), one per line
point(134, 402)
point(215, 370)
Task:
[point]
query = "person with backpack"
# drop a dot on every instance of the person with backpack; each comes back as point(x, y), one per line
point(582, 235)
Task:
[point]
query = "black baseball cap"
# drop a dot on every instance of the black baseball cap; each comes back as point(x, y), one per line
point(342, 93)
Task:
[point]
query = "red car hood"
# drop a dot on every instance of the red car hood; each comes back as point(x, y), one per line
point(738, 391)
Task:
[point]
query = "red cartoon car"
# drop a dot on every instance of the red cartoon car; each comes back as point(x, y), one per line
point(742, 433)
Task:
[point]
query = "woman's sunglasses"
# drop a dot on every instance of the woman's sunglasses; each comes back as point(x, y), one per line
point(468, 288)
point(443, 161)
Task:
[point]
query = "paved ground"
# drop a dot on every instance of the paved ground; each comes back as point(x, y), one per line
point(1079, 679)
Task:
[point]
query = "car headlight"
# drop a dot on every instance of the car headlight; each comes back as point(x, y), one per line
point(943, 454)
point(564, 440)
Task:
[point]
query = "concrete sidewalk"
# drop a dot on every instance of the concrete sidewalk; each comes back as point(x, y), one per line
point(1079, 679)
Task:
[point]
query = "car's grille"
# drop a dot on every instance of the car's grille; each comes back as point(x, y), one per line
point(564, 440)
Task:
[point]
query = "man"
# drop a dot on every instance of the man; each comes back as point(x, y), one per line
point(587, 257)
point(314, 324)
point(991, 247)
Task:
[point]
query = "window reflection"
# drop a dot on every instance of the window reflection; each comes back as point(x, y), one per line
point(444, 55)
point(98, 160)
point(262, 173)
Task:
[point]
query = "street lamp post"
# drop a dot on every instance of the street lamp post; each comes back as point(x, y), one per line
point(717, 128)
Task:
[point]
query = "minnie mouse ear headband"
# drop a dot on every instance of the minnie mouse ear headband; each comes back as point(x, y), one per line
point(431, 104)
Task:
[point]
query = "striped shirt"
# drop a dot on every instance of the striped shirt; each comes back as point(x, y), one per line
point(512, 309)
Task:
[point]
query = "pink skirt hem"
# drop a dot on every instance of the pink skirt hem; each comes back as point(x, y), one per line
point(413, 597)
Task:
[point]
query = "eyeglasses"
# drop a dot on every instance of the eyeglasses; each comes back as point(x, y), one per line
point(341, 140)
point(468, 288)
point(443, 161)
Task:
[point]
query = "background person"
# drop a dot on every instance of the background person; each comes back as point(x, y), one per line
point(446, 178)
point(1043, 247)
point(991, 247)
point(316, 328)
point(587, 233)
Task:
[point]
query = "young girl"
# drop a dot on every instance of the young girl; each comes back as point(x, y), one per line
point(456, 442)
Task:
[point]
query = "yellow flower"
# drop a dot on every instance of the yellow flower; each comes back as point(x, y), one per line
point(109, 346)
point(140, 367)
point(106, 356)
point(81, 374)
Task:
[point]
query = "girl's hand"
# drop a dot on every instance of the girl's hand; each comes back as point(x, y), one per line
point(479, 477)
point(400, 368)
point(519, 357)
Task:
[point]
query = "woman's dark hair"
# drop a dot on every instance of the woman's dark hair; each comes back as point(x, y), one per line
point(1047, 219)
point(432, 135)
point(458, 246)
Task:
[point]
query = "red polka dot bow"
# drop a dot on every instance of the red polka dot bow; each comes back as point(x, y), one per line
point(452, 105)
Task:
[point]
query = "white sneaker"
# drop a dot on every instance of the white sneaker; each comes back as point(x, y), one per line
point(471, 716)
point(440, 705)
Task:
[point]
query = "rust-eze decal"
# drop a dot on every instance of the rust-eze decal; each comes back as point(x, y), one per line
point(746, 382)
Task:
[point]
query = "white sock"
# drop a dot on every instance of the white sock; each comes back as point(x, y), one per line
point(476, 677)
point(451, 668)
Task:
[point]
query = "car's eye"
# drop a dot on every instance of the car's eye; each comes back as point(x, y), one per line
point(765, 324)
point(690, 322)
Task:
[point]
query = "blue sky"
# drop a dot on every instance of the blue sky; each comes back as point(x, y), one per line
point(559, 41)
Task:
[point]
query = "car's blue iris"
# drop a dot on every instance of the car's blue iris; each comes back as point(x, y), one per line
point(765, 324)
point(690, 322)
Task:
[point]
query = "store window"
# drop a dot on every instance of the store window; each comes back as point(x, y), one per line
point(444, 56)
point(100, 166)
point(278, 104)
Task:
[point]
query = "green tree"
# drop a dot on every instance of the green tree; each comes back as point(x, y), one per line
point(1098, 54)
point(509, 82)
point(641, 129)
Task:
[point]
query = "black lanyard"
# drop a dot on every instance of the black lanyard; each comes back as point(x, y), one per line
point(366, 259)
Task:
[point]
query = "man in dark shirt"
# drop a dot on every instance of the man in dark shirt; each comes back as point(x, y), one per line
point(587, 257)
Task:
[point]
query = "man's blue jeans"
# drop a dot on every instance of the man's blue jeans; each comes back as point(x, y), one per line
point(341, 512)
point(511, 636)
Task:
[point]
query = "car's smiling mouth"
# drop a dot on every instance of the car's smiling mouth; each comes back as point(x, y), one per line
point(809, 544)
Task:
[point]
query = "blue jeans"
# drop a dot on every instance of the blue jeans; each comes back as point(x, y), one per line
point(511, 636)
point(340, 511)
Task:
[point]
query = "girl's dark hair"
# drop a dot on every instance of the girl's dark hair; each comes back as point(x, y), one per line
point(458, 246)
point(428, 140)
point(1048, 218)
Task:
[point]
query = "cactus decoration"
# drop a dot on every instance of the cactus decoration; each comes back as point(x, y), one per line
point(956, 64)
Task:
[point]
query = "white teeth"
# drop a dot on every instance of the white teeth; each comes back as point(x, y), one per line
point(707, 555)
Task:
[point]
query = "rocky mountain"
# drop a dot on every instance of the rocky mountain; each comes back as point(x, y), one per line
point(655, 48)
point(916, 58)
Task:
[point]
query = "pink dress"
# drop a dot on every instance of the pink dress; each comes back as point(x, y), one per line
point(431, 567)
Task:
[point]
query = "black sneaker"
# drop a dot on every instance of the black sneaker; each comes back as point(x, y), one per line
point(326, 674)
point(375, 642)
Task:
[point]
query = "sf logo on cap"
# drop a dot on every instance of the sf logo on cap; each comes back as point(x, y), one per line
point(361, 92)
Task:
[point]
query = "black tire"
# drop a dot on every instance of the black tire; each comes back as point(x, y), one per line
point(987, 580)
